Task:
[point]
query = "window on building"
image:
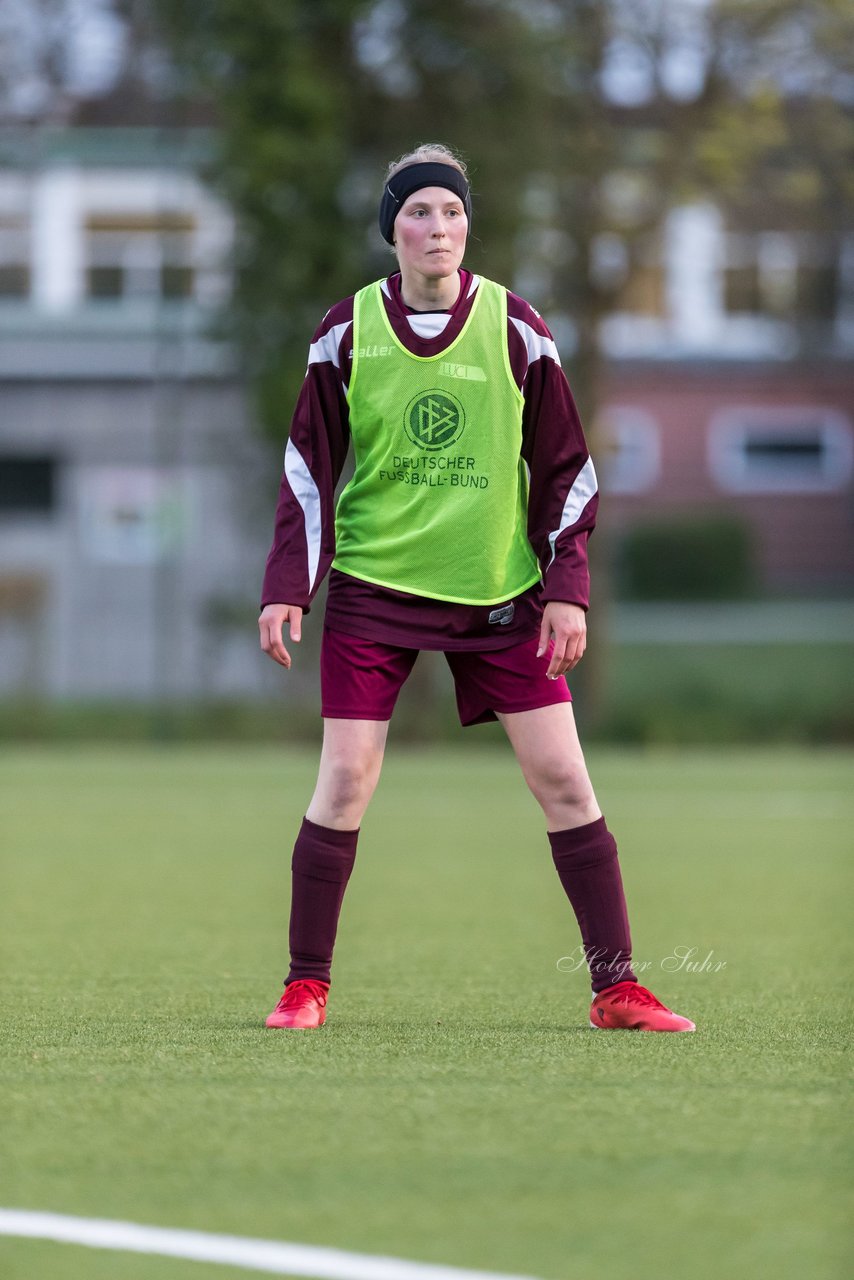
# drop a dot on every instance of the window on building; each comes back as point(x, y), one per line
point(817, 290)
point(643, 291)
point(742, 289)
point(14, 257)
point(140, 257)
point(782, 274)
point(106, 282)
point(629, 456)
point(632, 271)
point(27, 484)
point(781, 450)
point(176, 281)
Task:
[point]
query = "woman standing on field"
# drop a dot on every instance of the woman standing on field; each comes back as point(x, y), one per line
point(464, 529)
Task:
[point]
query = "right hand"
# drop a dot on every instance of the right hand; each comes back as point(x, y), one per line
point(271, 625)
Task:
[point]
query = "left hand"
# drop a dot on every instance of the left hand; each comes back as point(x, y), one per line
point(568, 624)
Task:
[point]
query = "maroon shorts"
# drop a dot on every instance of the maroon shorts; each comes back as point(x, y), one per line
point(361, 679)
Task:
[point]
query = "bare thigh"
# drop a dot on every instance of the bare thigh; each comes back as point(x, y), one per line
point(350, 765)
point(549, 753)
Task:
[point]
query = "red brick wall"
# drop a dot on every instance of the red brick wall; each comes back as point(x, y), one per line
point(802, 540)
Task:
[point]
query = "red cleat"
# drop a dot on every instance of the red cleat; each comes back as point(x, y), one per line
point(302, 1006)
point(630, 1007)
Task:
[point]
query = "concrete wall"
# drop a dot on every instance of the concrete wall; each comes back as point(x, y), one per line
point(163, 507)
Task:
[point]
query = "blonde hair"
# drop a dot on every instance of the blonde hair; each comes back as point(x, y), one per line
point(427, 153)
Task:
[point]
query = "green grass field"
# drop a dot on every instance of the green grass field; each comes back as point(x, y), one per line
point(456, 1108)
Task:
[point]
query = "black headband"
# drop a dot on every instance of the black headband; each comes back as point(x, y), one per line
point(413, 178)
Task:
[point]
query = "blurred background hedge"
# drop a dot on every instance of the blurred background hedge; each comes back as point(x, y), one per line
point(687, 557)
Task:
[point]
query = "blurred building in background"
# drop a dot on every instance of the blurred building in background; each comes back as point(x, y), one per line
point(731, 393)
point(136, 490)
point(127, 464)
point(135, 497)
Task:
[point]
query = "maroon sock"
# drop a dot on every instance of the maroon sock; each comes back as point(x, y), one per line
point(589, 870)
point(322, 862)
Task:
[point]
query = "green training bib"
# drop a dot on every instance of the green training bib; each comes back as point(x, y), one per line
point(438, 503)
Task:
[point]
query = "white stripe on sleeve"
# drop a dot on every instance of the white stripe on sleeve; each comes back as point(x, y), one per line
point(308, 496)
point(326, 348)
point(584, 488)
point(536, 344)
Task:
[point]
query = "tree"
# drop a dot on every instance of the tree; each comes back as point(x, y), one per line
point(743, 103)
point(315, 98)
point(584, 122)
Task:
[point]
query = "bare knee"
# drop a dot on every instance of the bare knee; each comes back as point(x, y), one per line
point(546, 744)
point(564, 791)
point(556, 782)
point(344, 788)
point(353, 781)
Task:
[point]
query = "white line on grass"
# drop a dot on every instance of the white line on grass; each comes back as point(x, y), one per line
point(273, 1256)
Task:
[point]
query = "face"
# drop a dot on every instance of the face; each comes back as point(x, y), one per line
point(430, 233)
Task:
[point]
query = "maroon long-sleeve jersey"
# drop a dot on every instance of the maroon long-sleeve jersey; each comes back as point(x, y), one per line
point(562, 498)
